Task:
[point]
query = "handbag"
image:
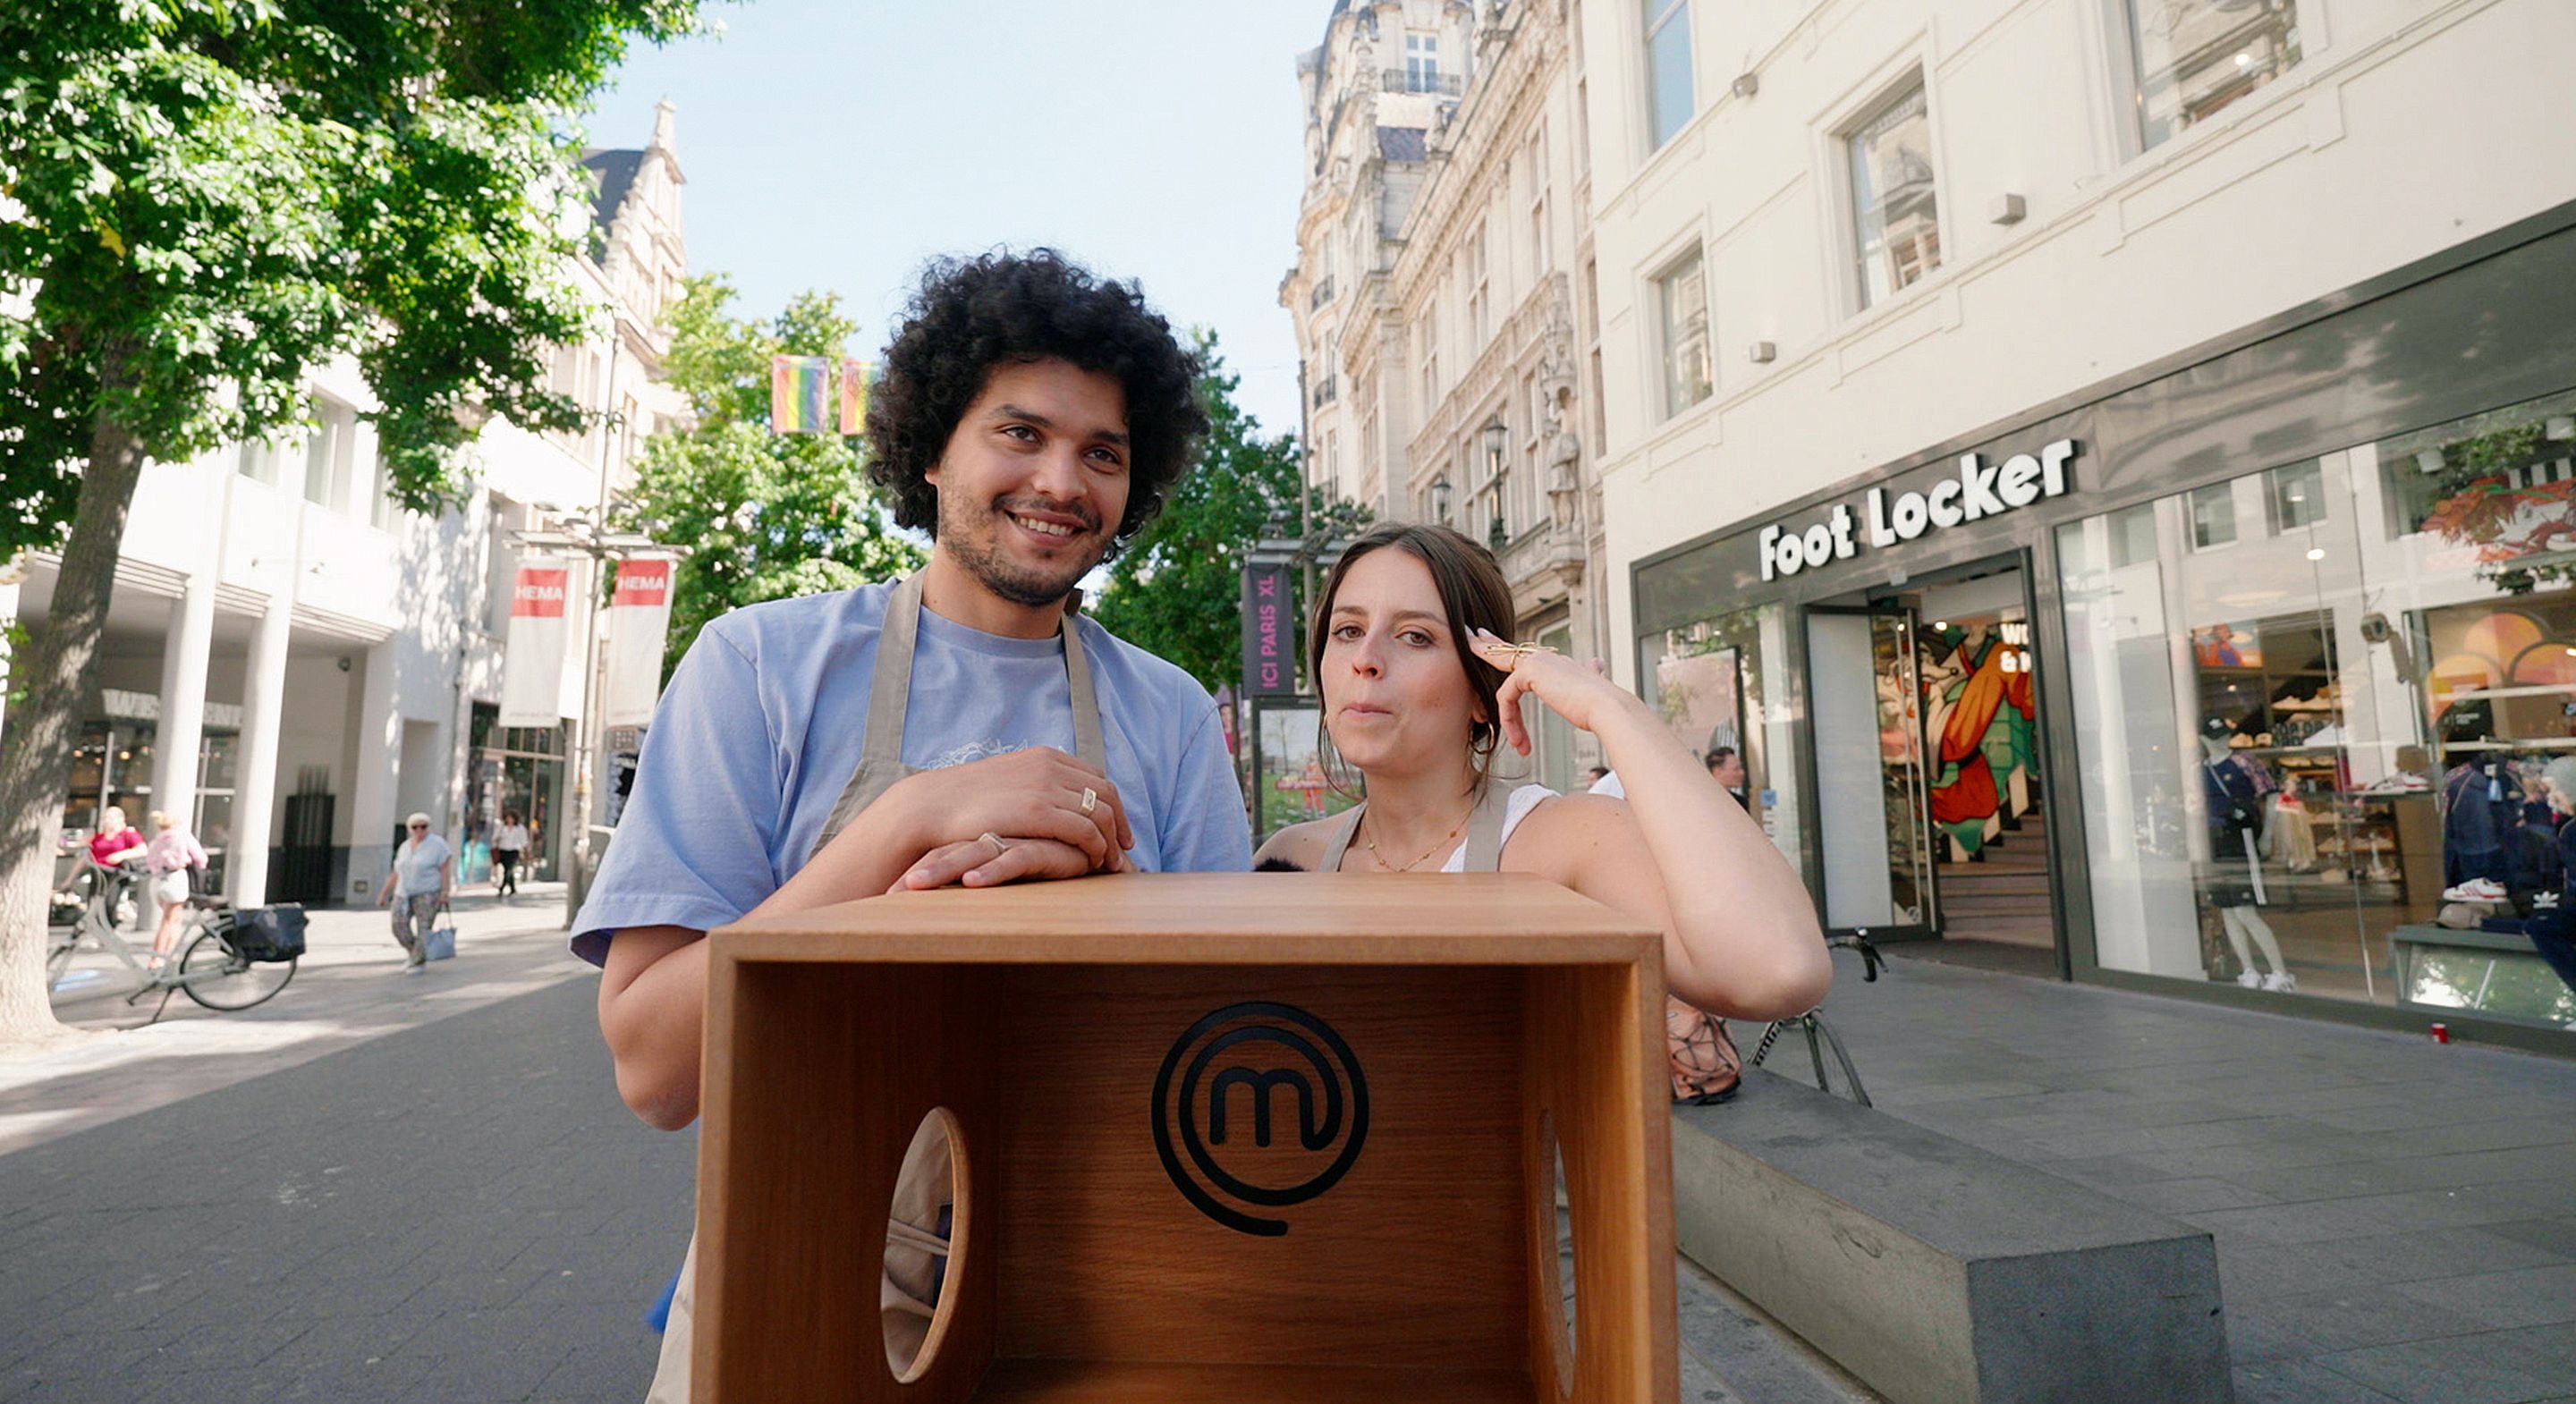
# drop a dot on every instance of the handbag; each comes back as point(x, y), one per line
point(440, 941)
point(1705, 1066)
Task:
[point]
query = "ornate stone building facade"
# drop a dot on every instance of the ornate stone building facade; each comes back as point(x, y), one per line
point(1438, 301)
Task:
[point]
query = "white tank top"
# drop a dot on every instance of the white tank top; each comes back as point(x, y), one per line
point(1515, 809)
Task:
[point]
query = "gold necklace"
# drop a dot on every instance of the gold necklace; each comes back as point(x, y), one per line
point(1439, 844)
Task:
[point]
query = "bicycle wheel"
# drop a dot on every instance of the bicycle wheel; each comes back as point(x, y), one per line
point(218, 979)
point(58, 956)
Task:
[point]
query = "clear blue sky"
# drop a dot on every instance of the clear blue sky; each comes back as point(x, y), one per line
point(836, 145)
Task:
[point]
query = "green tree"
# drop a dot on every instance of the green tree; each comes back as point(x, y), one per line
point(766, 516)
point(1177, 590)
point(202, 199)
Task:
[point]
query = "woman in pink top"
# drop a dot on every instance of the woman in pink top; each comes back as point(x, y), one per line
point(172, 852)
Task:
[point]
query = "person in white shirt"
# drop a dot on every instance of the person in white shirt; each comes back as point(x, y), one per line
point(424, 870)
point(168, 857)
point(509, 845)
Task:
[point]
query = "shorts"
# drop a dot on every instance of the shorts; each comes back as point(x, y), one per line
point(170, 888)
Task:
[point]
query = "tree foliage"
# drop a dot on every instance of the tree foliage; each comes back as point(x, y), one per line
point(765, 515)
point(203, 200)
point(1178, 588)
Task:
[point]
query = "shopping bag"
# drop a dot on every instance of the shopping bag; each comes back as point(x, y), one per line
point(440, 943)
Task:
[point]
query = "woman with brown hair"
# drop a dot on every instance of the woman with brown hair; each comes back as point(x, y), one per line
point(1409, 647)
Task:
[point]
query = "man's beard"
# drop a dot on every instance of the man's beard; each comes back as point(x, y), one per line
point(964, 533)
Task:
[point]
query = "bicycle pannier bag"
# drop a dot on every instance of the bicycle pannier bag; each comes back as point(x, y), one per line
point(270, 933)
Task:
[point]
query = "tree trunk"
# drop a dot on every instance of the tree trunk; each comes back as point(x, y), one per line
point(36, 742)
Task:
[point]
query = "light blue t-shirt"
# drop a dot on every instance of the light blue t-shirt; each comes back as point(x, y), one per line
point(767, 715)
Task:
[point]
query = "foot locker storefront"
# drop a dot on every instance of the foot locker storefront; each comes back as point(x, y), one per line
point(2251, 675)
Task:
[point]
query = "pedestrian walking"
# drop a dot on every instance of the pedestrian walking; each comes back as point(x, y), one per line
point(169, 857)
point(424, 870)
point(509, 844)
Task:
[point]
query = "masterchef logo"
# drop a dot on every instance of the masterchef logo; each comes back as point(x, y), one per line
point(540, 594)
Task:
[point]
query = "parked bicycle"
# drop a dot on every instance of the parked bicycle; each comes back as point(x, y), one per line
point(237, 958)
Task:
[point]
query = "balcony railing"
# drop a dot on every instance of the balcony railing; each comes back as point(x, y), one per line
point(1397, 80)
point(1323, 294)
point(1327, 390)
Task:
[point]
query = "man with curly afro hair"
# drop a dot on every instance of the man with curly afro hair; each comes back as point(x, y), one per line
point(966, 723)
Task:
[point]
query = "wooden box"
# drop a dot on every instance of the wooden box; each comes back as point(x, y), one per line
point(1273, 1137)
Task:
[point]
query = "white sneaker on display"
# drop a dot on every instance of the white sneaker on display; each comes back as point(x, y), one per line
point(2282, 981)
point(2250, 980)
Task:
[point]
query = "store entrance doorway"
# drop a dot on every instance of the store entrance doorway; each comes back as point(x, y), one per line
point(1930, 812)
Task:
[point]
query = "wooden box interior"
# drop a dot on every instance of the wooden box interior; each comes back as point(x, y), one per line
point(1429, 1270)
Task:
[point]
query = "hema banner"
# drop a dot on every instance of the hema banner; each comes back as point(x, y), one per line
point(532, 667)
point(639, 622)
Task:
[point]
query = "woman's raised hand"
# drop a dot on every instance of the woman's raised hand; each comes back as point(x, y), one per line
point(1575, 691)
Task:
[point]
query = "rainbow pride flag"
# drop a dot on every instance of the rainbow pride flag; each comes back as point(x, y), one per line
point(798, 386)
point(854, 398)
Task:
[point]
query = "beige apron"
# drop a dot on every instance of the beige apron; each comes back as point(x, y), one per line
point(913, 1242)
point(1484, 833)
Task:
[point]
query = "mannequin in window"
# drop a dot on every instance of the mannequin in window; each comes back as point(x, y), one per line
point(2233, 800)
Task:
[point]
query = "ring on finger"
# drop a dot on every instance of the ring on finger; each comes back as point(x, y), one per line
point(1090, 799)
point(999, 847)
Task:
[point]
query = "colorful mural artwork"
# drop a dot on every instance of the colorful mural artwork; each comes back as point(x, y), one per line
point(1981, 720)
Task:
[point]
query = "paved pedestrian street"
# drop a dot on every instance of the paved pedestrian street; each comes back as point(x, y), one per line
point(379, 1187)
point(2395, 1218)
point(390, 1188)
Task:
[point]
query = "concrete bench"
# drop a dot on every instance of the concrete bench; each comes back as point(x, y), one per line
point(1937, 1272)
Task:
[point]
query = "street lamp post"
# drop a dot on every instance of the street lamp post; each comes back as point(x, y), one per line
point(579, 532)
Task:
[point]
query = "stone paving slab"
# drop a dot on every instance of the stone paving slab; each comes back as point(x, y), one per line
point(2395, 1219)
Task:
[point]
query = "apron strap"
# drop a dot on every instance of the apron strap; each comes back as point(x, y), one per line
point(1088, 743)
point(1484, 832)
point(889, 691)
point(1338, 843)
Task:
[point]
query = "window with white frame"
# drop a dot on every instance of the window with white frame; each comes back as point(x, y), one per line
point(1682, 294)
point(1421, 63)
point(1582, 127)
point(1473, 276)
point(1426, 343)
point(2191, 58)
point(1669, 98)
point(2213, 515)
point(1542, 253)
point(383, 512)
point(2294, 497)
point(1533, 448)
point(1896, 227)
point(329, 456)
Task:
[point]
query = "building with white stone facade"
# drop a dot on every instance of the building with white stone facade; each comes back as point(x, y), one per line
point(1438, 300)
point(292, 663)
point(2028, 421)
